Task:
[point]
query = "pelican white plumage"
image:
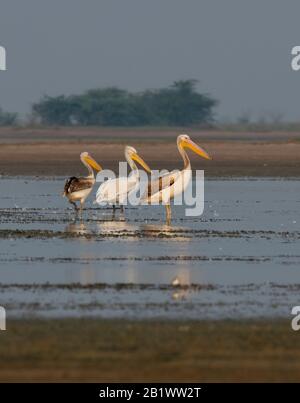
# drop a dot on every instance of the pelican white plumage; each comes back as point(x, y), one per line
point(165, 187)
point(115, 191)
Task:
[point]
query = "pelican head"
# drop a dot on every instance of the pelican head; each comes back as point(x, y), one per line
point(184, 141)
point(132, 155)
point(88, 160)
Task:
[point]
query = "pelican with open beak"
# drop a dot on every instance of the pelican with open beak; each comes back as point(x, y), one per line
point(165, 187)
point(116, 191)
point(78, 189)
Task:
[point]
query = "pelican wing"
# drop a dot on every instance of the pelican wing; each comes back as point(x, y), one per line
point(115, 190)
point(160, 184)
point(74, 184)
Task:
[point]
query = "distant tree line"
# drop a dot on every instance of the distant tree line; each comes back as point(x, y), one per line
point(7, 118)
point(178, 105)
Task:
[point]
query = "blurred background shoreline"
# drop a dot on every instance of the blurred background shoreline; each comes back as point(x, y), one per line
point(50, 151)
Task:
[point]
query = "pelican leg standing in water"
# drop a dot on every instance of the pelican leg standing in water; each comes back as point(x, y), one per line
point(78, 189)
point(115, 191)
point(165, 187)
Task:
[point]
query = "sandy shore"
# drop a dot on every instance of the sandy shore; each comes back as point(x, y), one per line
point(56, 151)
point(116, 350)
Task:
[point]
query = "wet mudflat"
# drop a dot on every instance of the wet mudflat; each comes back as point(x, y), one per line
point(239, 259)
point(110, 350)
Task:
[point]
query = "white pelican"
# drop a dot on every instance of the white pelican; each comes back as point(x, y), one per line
point(115, 191)
point(78, 189)
point(166, 187)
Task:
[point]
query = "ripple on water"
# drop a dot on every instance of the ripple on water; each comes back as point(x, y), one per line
point(239, 259)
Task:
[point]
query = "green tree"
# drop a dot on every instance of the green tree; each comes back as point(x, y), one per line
point(182, 105)
point(53, 110)
point(8, 118)
point(178, 105)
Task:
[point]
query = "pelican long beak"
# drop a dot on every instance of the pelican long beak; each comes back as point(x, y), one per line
point(89, 160)
point(194, 147)
point(138, 159)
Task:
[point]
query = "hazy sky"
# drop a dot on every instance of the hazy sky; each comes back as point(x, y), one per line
point(239, 50)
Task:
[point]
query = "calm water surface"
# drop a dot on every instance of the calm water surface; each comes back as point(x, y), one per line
point(241, 258)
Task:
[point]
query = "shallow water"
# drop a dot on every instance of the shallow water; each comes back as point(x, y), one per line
point(239, 259)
